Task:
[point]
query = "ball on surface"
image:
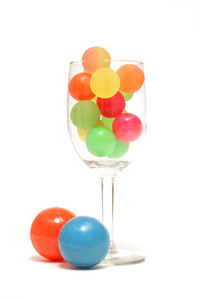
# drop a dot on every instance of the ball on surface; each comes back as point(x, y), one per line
point(85, 115)
point(120, 149)
point(45, 230)
point(84, 242)
point(131, 78)
point(111, 107)
point(100, 141)
point(127, 96)
point(95, 58)
point(127, 127)
point(79, 87)
point(105, 83)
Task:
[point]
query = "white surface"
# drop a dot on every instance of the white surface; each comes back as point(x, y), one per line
point(157, 196)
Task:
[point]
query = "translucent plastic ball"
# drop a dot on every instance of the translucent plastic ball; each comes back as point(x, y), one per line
point(94, 100)
point(120, 149)
point(85, 115)
point(105, 83)
point(109, 121)
point(83, 133)
point(131, 78)
point(84, 242)
point(79, 87)
point(127, 127)
point(127, 96)
point(100, 141)
point(95, 58)
point(113, 106)
point(45, 230)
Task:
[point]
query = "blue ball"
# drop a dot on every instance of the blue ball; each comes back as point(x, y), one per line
point(84, 242)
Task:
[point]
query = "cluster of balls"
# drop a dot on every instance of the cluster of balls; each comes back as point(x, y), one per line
point(57, 234)
point(99, 115)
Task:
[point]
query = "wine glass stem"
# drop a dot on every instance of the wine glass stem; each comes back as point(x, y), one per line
point(107, 197)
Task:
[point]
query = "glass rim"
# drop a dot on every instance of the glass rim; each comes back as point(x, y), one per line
point(111, 60)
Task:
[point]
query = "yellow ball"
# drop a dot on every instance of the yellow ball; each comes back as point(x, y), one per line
point(105, 83)
point(83, 133)
point(94, 100)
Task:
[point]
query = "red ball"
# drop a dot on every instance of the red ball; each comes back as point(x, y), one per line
point(79, 87)
point(111, 107)
point(127, 127)
point(45, 230)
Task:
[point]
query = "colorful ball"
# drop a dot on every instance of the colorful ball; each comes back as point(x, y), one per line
point(113, 106)
point(127, 96)
point(120, 149)
point(45, 230)
point(131, 78)
point(79, 87)
point(85, 115)
point(109, 121)
point(127, 127)
point(95, 58)
point(94, 100)
point(105, 83)
point(100, 141)
point(83, 133)
point(84, 242)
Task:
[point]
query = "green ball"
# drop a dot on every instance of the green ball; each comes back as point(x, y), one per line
point(119, 150)
point(127, 96)
point(109, 121)
point(100, 141)
point(85, 115)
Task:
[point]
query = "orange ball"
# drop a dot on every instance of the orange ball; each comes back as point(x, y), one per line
point(79, 87)
point(95, 58)
point(45, 230)
point(131, 78)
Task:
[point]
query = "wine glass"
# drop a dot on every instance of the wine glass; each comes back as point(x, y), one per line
point(119, 120)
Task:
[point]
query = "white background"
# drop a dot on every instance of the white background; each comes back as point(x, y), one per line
point(157, 204)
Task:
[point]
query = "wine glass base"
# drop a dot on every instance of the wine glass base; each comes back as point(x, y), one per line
point(118, 256)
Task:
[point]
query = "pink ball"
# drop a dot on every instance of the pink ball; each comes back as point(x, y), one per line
point(112, 107)
point(127, 127)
